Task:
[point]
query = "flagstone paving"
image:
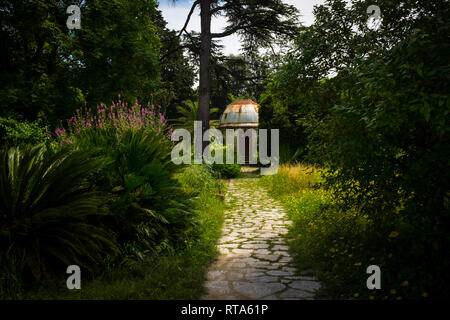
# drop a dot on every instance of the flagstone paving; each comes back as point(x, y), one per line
point(254, 262)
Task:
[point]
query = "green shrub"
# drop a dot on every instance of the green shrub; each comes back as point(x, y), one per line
point(341, 243)
point(227, 171)
point(195, 179)
point(178, 274)
point(13, 132)
point(46, 201)
point(198, 181)
point(151, 211)
point(386, 144)
point(224, 170)
point(289, 154)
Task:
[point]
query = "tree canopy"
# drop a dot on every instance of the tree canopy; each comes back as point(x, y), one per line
point(48, 70)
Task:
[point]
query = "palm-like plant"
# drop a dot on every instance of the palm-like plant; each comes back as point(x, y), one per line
point(46, 202)
point(189, 114)
point(148, 206)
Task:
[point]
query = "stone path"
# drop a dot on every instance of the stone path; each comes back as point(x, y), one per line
point(254, 262)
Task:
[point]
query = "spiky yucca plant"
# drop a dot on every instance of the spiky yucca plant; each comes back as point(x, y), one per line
point(46, 201)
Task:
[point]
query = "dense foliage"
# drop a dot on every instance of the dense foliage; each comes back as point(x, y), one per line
point(49, 70)
point(123, 46)
point(47, 203)
point(15, 132)
point(178, 274)
point(373, 108)
point(150, 212)
point(114, 163)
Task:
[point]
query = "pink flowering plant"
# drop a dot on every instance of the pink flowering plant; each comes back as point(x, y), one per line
point(149, 212)
point(118, 115)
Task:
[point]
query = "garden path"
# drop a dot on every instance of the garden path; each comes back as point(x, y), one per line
point(254, 262)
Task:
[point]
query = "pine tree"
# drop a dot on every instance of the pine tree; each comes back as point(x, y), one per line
point(259, 23)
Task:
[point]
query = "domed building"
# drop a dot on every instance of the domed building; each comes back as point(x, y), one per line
point(241, 114)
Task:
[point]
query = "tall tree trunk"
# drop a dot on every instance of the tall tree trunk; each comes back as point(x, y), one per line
point(205, 54)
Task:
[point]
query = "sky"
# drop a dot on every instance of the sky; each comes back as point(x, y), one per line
point(175, 15)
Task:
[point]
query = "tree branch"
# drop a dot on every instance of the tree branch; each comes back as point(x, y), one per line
point(180, 46)
point(188, 17)
point(190, 37)
point(220, 8)
point(168, 54)
point(228, 32)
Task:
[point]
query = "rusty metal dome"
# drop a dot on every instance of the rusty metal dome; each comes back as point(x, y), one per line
point(240, 114)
